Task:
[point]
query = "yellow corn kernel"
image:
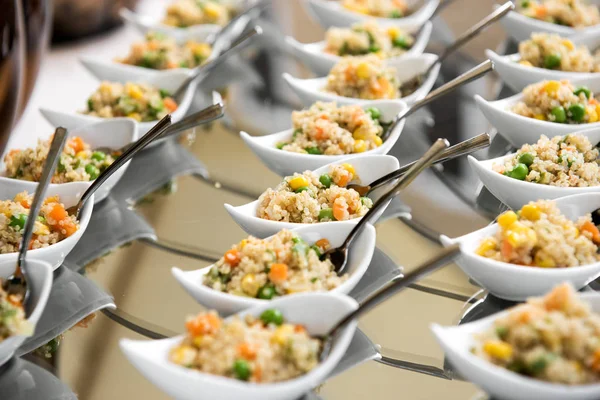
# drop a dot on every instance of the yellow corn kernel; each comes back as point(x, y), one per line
point(531, 212)
point(361, 133)
point(378, 141)
point(363, 71)
point(250, 285)
point(393, 32)
point(349, 168)
point(135, 116)
point(544, 261)
point(83, 154)
point(183, 355)
point(592, 114)
point(360, 146)
point(134, 92)
point(507, 218)
point(568, 44)
point(598, 109)
point(197, 340)
point(357, 8)
point(212, 10)
point(298, 182)
point(526, 63)
point(105, 88)
point(519, 235)
point(541, 117)
point(243, 243)
point(498, 349)
point(486, 245)
point(281, 334)
point(41, 229)
point(551, 87)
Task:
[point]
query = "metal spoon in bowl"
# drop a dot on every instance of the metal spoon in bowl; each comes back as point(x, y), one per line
point(441, 259)
point(415, 82)
point(17, 283)
point(236, 25)
point(460, 149)
point(472, 74)
point(339, 255)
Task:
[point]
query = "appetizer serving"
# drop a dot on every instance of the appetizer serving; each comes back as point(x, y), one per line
point(53, 223)
point(325, 128)
point(558, 101)
point(573, 13)
point(258, 350)
point(554, 338)
point(538, 235)
point(309, 198)
point(552, 51)
point(12, 315)
point(161, 52)
point(78, 162)
point(277, 266)
point(134, 100)
point(378, 8)
point(365, 38)
point(565, 161)
point(184, 13)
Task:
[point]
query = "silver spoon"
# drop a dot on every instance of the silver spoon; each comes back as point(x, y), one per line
point(470, 75)
point(237, 23)
point(17, 283)
point(460, 149)
point(441, 259)
point(413, 83)
point(339, 255)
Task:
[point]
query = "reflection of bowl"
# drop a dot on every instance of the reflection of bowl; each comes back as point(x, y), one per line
point(77, 18)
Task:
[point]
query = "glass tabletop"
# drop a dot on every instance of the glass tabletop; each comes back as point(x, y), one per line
point(168, 211)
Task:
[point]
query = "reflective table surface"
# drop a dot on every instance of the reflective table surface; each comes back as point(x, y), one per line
point(168, 211)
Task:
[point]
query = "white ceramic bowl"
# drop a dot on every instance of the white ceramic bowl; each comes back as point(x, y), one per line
point(520, 27)
point(368, 168)
point(361, 253)
point(318, 312)
point(39, 277)
point(311, 90)
point(520, 130)
point(320, 63)
point(331, 13)
point(517, 282)
point(113, 134)
point(500, 383)
point(286, 163)
point(69, 196)
point(168, 80)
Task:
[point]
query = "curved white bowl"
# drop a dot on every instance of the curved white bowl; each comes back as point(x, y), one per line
point(39, 276)
point(520, 130)
point(320, 63)
point(368, 168)
point(311, 90)
point(517, 282)
point(226, 304)
point(331, 13)
point(113, 134)
point(500, 383)
point(168, 80)
point(69, 196)
point(150, 357)
point(286, 163)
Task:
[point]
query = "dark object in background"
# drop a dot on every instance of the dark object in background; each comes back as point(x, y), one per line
point(74, 19)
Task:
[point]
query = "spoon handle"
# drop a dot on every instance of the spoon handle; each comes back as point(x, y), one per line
point(56, 148)
point(468, 146)
point(201, 117)
point(424, 162)
point(243, 18)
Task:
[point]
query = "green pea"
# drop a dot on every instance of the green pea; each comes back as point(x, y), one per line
point(297, 239)
point(519, 172)
point(272, 316)
point(577, 112)
point(317, 250)
point(526, 158)
point(280, 145)
point(98, 156)
point(301, 189)
point(374, 113)
point(184, 64)
point(525, 4)
point(583, 89)
point(92, 171)
point(401, 42)
point(164, 93)
point(326, 213)
point(266, 292)
point(41, 219)
point(502, 332)
point(18, 220)
point(296, 133)
point(373, 49)
point(559, 113)
point(396, 14)
point(539, 364)
point(241, 369)
point(60, 167)
point(90, 105)
point(552, 61)
point(313, 150)
point(325, 180)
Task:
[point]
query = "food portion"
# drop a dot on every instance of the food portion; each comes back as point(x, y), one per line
point(52, 225)
point(552, 51)
point(573, 13)
point(366, 77)
point(555, 338)
point(325, 128)
point(159, 51)
point(134, 100)
point(538, 235)
point(558, 101)
point(78, 162)
point(12, 315)
point(184, 13)
point(378, 8)
point(365, 38)
point(259, 350)
point(566, 161)
point(280, 265)
point(308, 198)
